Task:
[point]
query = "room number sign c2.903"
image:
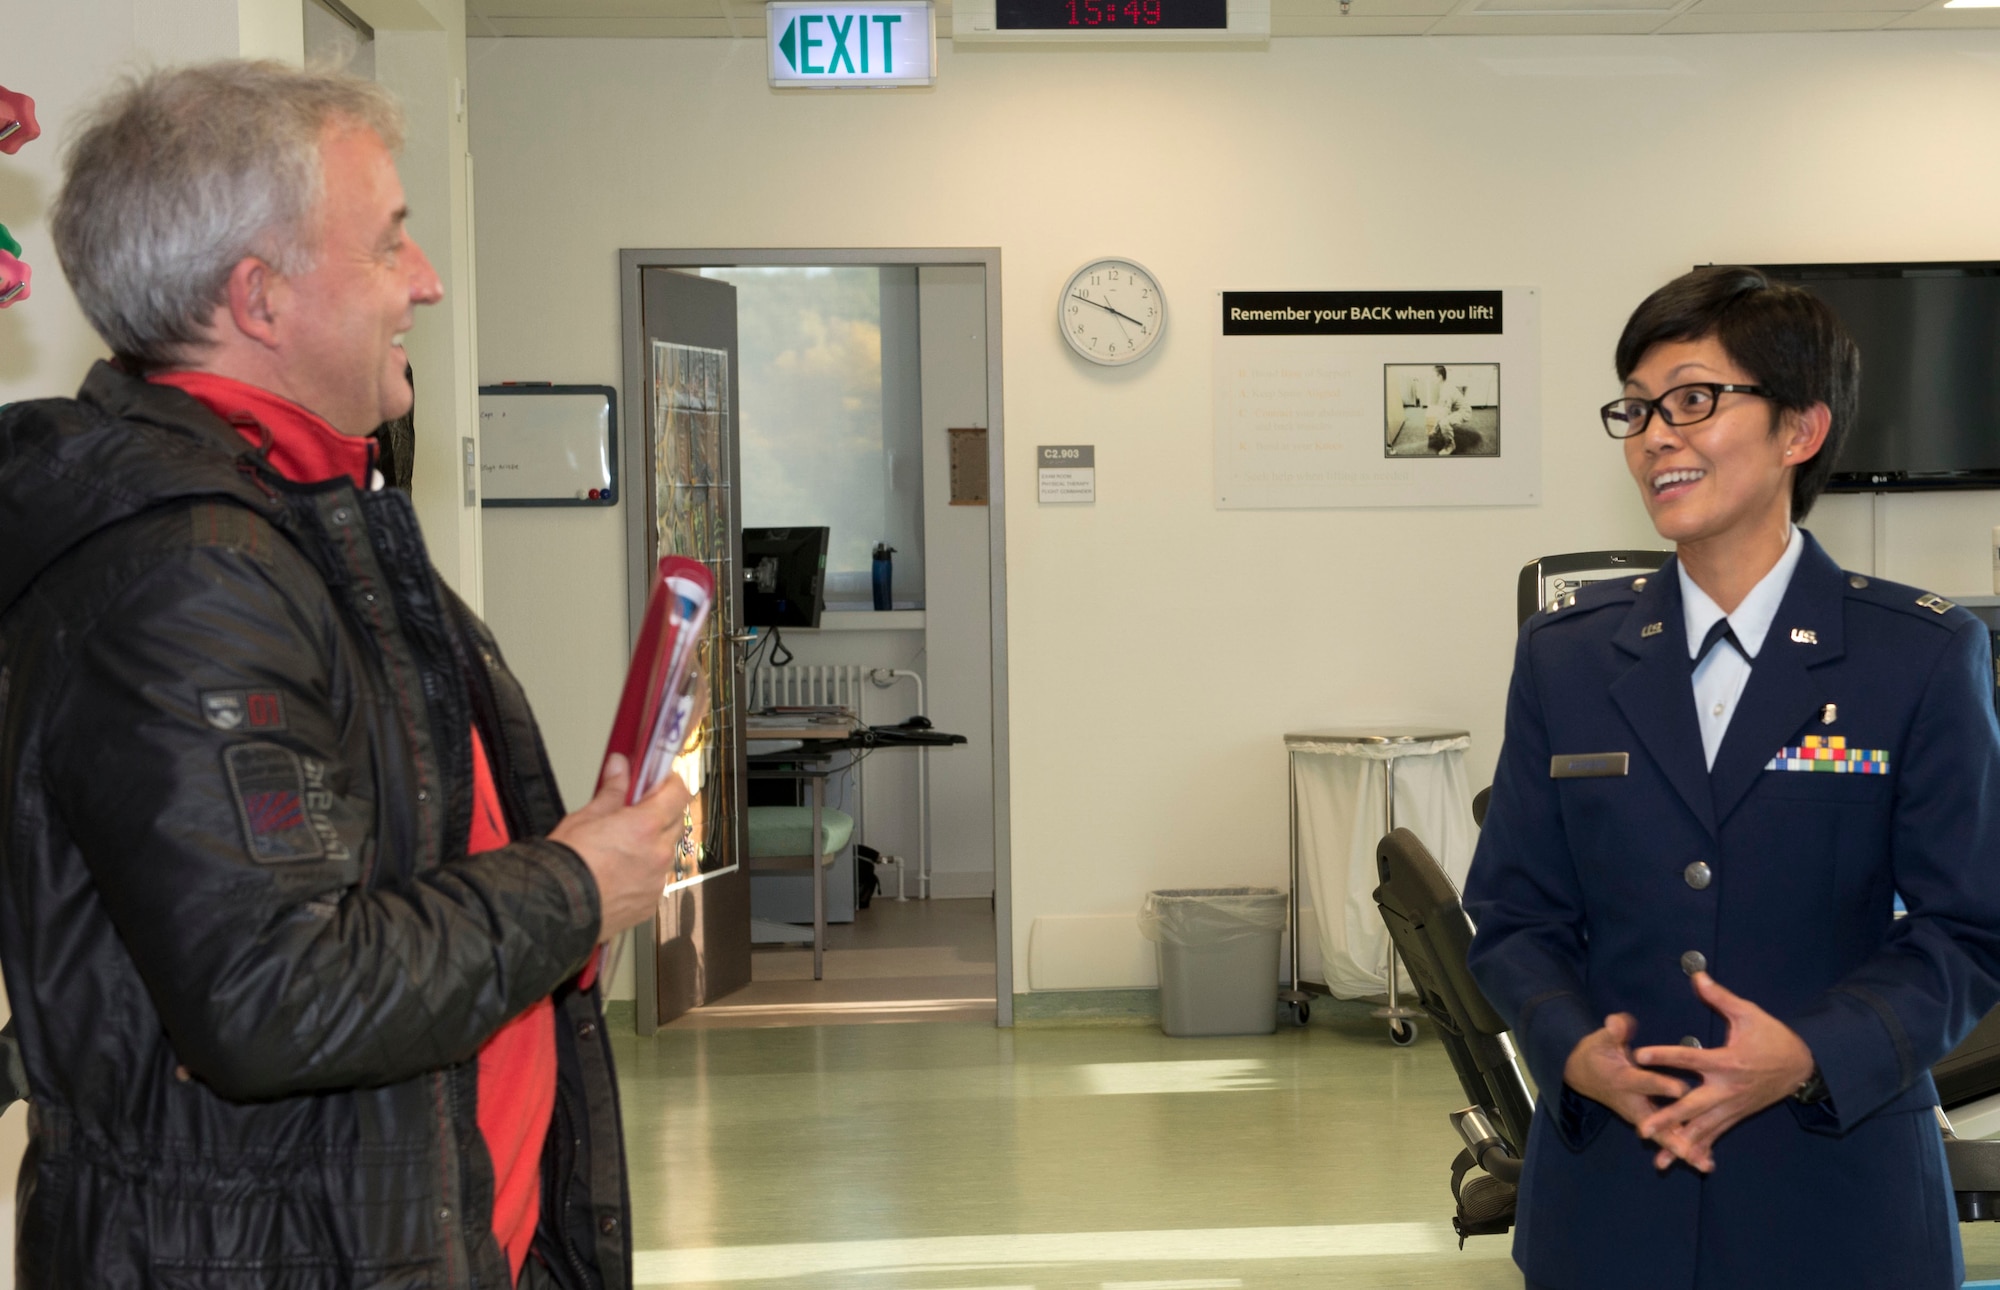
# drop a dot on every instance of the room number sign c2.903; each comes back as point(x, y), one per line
point(1112, 312)
point(851, 46)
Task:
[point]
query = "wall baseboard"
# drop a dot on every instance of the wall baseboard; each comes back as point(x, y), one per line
point(948, 884)
point(1087, 1008)
point(1094, 1008)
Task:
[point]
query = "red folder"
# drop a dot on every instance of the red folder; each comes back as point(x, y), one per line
point(665, 696)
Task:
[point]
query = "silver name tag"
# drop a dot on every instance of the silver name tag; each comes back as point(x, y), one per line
point(1590, 765)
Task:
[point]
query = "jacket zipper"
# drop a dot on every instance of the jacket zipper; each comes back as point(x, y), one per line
point(486, 710)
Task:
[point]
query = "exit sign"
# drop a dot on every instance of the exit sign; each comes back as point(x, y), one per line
point(838, 46)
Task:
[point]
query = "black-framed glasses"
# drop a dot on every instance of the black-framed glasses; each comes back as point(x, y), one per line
point(1684, 405)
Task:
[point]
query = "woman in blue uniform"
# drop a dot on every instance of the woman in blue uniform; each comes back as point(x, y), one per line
point(1716, 780)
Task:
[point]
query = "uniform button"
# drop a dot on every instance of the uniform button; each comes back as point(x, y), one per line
point(444, 1213)
point(1698, 875)
point(586, 1030)
point(1694, 961)
point(183, 1074)
point(423, 795)
point(1856, 581)
point(1689, 1041)
point(341, 516)
point(1719, 709)
point(607, 1225)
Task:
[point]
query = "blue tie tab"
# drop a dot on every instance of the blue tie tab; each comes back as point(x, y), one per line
point(1721, 631)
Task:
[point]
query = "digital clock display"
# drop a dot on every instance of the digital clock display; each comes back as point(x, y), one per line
point(1110, 15)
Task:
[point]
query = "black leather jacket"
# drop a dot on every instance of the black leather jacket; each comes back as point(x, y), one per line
point(250, 964)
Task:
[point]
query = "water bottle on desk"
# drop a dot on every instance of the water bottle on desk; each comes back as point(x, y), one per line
point(885, 576)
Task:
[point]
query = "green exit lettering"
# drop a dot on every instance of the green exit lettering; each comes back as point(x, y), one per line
point(854, 37)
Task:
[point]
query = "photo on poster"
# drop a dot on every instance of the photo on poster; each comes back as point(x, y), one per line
point(1441, 409)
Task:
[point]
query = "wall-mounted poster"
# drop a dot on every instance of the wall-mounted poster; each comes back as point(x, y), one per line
point(1378, 398)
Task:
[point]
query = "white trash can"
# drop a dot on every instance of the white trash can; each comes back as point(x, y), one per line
point(1218, 952)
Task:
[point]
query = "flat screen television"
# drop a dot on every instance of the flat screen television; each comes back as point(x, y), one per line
point(784, 576)
point(1929, 335)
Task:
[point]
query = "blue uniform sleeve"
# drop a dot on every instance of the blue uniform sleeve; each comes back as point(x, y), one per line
point(1527, 907)
point(1877, 1031)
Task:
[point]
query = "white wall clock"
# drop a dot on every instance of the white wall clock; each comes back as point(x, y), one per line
point(1112, 312)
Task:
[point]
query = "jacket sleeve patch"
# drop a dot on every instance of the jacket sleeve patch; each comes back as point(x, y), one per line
point(243, 709)
point(269, 787)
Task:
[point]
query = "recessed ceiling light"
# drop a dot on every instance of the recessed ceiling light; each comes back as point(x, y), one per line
point(1972, 4)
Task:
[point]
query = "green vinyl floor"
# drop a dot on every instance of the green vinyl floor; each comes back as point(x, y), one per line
point(962, 1157)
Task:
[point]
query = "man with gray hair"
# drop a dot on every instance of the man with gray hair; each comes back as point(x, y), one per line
point(301, 947)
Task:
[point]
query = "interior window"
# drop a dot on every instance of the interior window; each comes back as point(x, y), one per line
point(831, 427)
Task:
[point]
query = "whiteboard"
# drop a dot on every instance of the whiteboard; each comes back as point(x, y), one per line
point(548, 445)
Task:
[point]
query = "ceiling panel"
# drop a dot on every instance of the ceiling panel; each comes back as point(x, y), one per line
point(1330, 10)
point(1549, 24)
point(1706, 21)
point(1411, 25)
point(1574, 6)
point(580, 9)
point(711, 18)
point(1829, 9)
point(1936, 16)
point(622, 27)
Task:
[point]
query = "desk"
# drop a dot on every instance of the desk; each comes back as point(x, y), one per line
point(807, 727)
point(810, 764)
point(820, 736)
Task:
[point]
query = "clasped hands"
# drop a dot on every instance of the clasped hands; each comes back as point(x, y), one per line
point(1762, 1063)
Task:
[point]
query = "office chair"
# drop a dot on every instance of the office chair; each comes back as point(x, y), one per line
point(1428, 925)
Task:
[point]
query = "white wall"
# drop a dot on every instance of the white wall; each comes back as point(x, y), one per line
point(63, 56)
point(424, 63)
point(1146, 747)
point(958, 656)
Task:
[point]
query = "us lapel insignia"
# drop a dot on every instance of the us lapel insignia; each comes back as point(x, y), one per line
point(1829, 714)
point(1935, 603)
point(1804, 636)
point(1651, 629)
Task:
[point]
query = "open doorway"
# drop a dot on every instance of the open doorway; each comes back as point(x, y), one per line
point(858, 379)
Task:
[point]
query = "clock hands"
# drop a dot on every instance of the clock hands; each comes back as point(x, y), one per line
point(1108, 309)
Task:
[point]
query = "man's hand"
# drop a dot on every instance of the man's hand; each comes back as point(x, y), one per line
point(1762, 1064)
point(629, 849)
point(1602, 1068)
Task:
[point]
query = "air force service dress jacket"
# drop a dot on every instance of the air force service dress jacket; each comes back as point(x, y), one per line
point(1614, 864)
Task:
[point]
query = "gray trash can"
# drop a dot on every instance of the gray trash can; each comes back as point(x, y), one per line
point(1218, 951)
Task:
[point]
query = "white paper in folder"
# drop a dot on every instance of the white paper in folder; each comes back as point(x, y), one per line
point(548, 445)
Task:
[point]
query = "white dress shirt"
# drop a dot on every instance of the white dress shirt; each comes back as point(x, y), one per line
point(1719, 679)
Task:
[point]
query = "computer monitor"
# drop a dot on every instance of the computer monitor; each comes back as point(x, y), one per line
point(784, 576)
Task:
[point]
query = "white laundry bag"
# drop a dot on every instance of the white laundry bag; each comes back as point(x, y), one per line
point(1337, 793)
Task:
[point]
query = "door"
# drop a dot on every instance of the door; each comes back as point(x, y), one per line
point(700, 936)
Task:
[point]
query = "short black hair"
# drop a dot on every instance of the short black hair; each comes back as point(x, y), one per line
point(1788, 339)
